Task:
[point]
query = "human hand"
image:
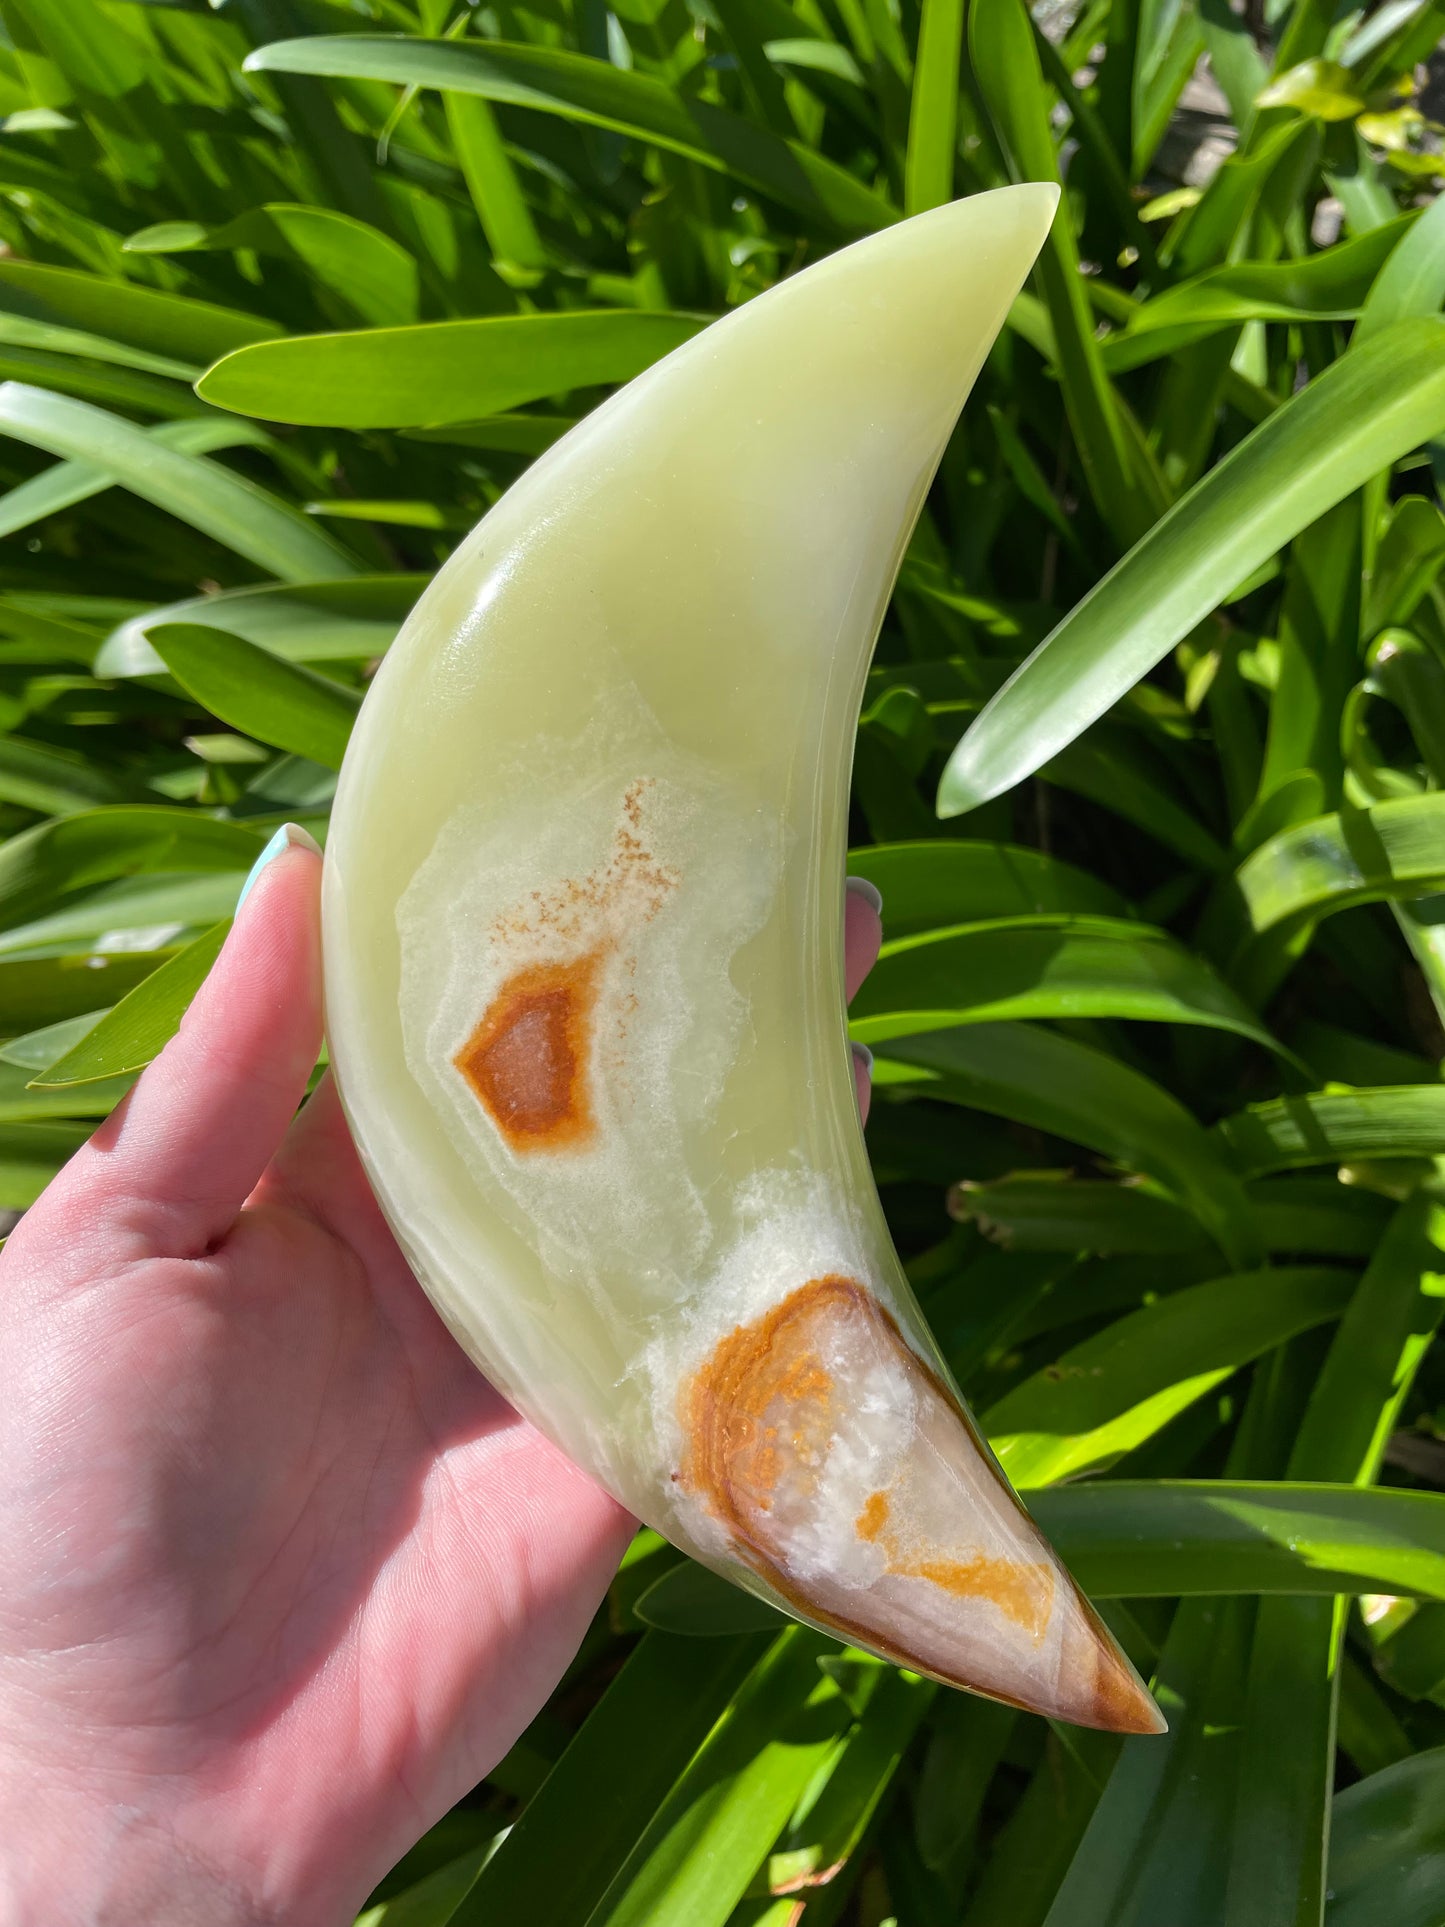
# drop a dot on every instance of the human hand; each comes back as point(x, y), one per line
point(281, 1576)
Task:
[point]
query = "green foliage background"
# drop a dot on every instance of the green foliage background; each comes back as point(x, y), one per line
point(293, 289)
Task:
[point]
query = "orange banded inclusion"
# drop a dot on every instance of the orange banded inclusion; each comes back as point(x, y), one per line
point(762, 1415)
point(844, 1472)
point(1024, 1592)
point(527, 1058)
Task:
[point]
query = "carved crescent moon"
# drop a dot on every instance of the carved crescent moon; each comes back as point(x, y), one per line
point(582, 915)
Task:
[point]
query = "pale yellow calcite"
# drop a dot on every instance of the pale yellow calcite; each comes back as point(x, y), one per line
point(583, 910)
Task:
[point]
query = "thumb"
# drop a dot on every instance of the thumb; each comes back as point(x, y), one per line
point(179, 1156)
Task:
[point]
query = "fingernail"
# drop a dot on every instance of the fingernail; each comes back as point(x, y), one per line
point(869, 892)
point(864, 1057)
point(289, 836)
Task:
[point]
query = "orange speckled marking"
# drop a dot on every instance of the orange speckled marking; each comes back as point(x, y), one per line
point(872, 1519)
point(1024, 1592)
point(760, 1416)
point(527, 1058)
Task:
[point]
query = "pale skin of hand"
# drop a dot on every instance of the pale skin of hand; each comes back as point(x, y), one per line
point(281, 1576)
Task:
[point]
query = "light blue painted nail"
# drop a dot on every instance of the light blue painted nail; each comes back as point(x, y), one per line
point(864, 1056)
point(289, 836)
point(869, 892)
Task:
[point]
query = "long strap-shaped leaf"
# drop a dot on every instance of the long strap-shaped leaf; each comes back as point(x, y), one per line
point(1103, 1398)
point(1336, 1127)
point(1006, 63)
point(283, 703)
point(75, 852)
point(67, 483)
point(558, 82)
point(1258, 919)
point(143, 1022)
point(1386, 1845)
point(440, 371)
point(1044, 966)
point(1038, 1077)
point(173, 326)
point(1164, 1537)
point(1281, 1834)
point(1373, 406)
point(229, 508)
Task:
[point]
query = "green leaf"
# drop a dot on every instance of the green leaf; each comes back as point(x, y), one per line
point(1387, 1847)
point(1052, 1211)
point(1058, 1085)
point(1110, 770)
point(1106, 1396)
point(576, 1832)
point(100, 381)
point(1043, 966)
point(39, 1049)
point(508, 434)
point(691, 1600)
point(66, 484)
point(1156, 1843)
point(555, 81)
point(966, 1742)
point(76, 852)
point(40, 778)
point(441, 371)
point(337, 160)
point(1161, 1537)
point(1412, 280)
point(92, 47)
point(1409, 557)
point(140, 912)
point(167, 237)
point(351, 620)
point(699, 1854)
point(1287, 1755)
point(492, 182)
point(19, 1104)
point(1006, 66)
point(19, 331)
point(833, 1818)
point(30, 1156)
point(1330, 285)
point(1336, 1127)
point(172, 325)
point(926, 885)
point(432, 1901)
point(37, 991)
point(1359, 416)
point(227, 507)
point(371, 274)
point(933, 117)
point(1321, 88)
point(246, 686)
point(142, 1023)
point(1395, 849)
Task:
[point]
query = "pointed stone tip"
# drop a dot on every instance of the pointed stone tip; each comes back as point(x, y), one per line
point(849, 1477)
point(1024, 213)
point(1132, 1708)
point(1040, 199)
point(1031, 205)
point(1112, 1698)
